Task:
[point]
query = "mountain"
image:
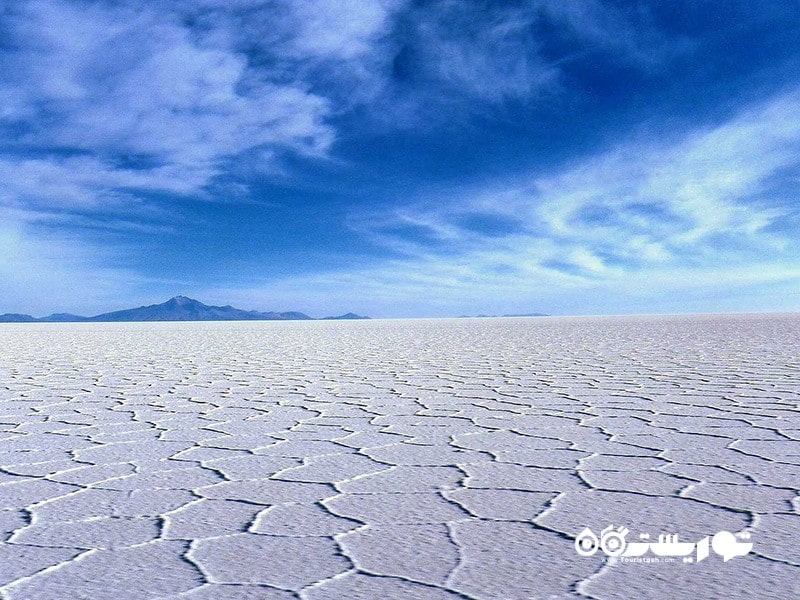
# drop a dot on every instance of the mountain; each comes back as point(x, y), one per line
point(179, 308)
point(16, 318)
point(345, 317)
point(62, 318)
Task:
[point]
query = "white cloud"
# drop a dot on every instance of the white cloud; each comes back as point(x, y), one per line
point(495, 52)
point(626, 32)
point(677, 193)
point(178, 89)
point(485, 53)
point(132, 82)
point(657, 223)
point(339, 29)
point(83, 182)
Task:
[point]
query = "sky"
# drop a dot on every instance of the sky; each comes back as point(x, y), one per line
point(400, 158)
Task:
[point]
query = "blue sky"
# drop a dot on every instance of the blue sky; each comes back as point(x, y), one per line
point(400, 158)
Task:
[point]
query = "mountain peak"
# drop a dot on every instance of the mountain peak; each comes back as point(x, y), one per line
point(183, 301)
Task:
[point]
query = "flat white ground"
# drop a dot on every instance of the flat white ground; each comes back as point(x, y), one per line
point(396, 459)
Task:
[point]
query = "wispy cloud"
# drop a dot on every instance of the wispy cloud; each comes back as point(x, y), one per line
point(164, 97)
point(677, 194)
point(131, 84)
point(344, 30)
point(85, 182)
point(460, 52)
point(685, 212)
point(494, 58)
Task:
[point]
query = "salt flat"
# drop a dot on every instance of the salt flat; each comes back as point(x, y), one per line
point(396, 459)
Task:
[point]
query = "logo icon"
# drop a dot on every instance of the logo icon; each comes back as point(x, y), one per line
point(613, 544)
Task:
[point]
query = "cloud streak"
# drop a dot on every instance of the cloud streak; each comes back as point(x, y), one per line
point(130, 85)
point(685, 213)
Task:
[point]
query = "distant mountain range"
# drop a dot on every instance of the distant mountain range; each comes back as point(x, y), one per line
point(179, 308)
